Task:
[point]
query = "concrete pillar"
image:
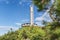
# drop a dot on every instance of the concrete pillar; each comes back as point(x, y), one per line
point(31, 14)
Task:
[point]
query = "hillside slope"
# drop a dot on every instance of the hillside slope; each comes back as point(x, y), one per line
point(33, 33)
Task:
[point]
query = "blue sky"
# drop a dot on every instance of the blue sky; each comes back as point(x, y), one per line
point(13, 13)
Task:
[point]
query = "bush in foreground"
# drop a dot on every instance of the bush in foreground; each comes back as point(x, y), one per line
point(33, 33)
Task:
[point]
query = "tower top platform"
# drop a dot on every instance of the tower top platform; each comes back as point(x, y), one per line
point(28, 24)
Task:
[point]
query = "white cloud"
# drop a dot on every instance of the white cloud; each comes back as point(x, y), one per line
point(45, 17)
point(22, 21)
point(2, 32)
point(39, 19)
point(52, 1)
point(18, 24)
point(42, 17)
point(39, 23)
point(5, 29)
point(8, 28)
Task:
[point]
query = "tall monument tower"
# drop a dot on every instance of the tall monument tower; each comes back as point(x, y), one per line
point(31, 14)
point(31, 17)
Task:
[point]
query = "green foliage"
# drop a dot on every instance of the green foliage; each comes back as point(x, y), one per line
point(40, 4)
point(30, 32)
point(25, 33)
point(54, 10)
point(34, 33)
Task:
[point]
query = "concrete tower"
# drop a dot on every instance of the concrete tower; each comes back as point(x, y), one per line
point(31, 14)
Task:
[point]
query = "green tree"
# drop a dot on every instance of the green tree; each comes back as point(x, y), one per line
point(52, 29)
point(54, 10)
point(31, 33)
point(41, 4)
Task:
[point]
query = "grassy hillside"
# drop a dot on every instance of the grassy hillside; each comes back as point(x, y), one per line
point(33, 33)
